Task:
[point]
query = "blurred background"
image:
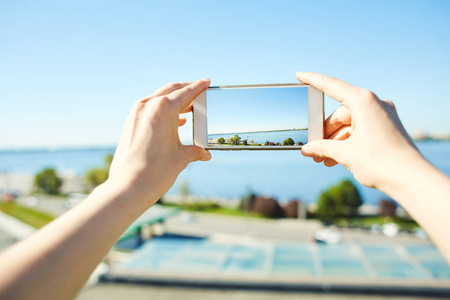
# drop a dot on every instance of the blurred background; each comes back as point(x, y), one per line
point(70, 72)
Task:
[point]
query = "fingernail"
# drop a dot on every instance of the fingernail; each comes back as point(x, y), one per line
point(207, 156)
point(206, 79)
point(307, 149)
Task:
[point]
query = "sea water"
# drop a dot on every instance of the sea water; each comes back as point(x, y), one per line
point(230, 174)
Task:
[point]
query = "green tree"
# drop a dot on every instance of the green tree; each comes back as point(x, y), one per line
point(327, 207)
point(221, 140)
point(48, 182)
point(96, 176)
point(108, 160)
point(351, 198)
point(288, 142)
point(341, 200)
point(235, 139)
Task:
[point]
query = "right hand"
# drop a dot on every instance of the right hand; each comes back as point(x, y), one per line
point(364, 134)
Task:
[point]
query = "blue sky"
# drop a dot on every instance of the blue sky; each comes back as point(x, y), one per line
point(70, 71)
point(260, 109)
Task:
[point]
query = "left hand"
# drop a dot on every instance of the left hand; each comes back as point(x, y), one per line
point(150, 156)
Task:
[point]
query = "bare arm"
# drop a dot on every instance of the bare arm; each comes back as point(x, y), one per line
point(366, 136)
point(56, 261)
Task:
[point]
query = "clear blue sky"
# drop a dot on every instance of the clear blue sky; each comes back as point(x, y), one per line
point(70, 71)
point(261, 109)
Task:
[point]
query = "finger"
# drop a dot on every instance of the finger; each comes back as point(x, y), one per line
point(342, 133)
point(197, 153)
point(335, 88)
point(318, 159)
point(181, 122)
point(324, 149)
point(186, 95)
point(187, 109)
point(389, 104)
point(341, 116)
point(329, 162)
point(164, 90)
point(169, 88)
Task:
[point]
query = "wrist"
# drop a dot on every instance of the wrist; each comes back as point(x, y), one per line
point(403, 174)
point(126, 196)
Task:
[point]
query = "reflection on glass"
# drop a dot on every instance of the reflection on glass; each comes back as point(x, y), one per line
point(257, 117)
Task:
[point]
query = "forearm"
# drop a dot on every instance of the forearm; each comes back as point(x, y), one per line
point(56, 261)
point(424, 192)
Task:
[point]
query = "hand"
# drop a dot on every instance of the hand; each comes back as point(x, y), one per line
point(364, 134)
point(150, 156)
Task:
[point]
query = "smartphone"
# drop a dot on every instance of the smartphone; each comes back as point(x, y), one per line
point(258, 117)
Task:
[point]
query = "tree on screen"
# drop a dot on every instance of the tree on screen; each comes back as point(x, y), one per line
point(235, 139)
point(221, 140)
point(288, 142)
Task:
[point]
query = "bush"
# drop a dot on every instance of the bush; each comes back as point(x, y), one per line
point(288, 142)
point(48, 182)
point(341, 200)
point(387, 208)
point(221, 140)
point(291, 209)
point(267, 207)
point(96, 176)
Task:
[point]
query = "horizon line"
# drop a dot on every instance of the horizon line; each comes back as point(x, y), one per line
point(56, 148)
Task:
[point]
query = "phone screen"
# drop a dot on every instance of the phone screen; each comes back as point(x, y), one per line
point(257, 117)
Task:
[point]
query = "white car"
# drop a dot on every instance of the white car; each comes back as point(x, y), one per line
point(327, 236)
point(390, 229)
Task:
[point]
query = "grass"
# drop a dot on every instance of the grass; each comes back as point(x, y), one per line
point(213, 208)
point(32, 217)
point(230, 212)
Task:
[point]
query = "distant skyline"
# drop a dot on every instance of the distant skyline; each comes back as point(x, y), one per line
point(261, 109)
point(257, 131)
point(70, 71)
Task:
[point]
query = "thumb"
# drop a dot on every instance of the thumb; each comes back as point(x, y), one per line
point(196, 153)
point(324, 149)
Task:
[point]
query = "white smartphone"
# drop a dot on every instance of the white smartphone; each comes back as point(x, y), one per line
point(258, 117)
